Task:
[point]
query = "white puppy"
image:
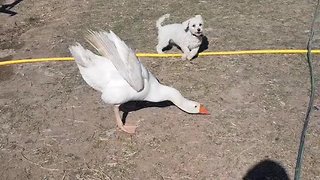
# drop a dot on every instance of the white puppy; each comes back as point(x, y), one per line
point(187, 35)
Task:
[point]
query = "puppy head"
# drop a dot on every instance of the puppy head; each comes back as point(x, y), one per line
point(194, 25)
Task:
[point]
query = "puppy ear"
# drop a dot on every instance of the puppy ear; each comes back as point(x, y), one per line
point(185, 25)
point(198, 16)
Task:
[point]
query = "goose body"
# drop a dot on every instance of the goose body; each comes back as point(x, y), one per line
point(121, 77)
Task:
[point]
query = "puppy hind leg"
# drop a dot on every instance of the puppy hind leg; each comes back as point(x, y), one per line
point(159, 49)
point(161, 45)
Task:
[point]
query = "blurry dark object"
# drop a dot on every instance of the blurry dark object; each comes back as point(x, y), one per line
point(7, 5)
point(267, 170)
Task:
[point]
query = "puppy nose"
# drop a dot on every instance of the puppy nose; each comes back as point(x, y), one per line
point(199, 29)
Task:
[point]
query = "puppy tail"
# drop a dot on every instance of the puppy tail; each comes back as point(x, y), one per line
point(161, 19)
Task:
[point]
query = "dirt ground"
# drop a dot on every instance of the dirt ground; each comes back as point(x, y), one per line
point(54, 126)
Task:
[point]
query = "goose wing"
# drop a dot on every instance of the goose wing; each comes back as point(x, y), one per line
point(109, 45)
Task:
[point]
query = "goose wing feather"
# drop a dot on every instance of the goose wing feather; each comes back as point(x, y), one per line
point(122, 57)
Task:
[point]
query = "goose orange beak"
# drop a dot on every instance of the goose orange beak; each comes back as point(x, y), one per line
point(203, 110)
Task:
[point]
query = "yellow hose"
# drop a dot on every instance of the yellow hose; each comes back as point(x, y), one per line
point(151, 55)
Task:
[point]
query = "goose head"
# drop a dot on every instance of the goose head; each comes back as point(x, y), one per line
point(193, 107)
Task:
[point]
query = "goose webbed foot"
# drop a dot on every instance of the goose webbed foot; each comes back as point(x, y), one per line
point(126, 128)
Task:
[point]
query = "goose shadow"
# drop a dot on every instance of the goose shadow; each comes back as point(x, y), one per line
point(137, 105)
point(6, 9)
point(266, 170)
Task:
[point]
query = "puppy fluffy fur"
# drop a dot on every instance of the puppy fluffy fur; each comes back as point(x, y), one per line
point(187, 35)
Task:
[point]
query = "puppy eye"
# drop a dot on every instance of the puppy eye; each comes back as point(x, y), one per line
point(194, 25)
point(200, 24)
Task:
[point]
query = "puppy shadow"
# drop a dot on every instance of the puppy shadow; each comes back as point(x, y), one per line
point(137, 105)
point(6, 9)
point(204, 44)
point(267, 170)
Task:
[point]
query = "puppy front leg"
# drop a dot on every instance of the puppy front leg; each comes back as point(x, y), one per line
point(185, 51)
point(192, 53)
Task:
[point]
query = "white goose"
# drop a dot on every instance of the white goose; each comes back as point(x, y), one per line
point(120, 77)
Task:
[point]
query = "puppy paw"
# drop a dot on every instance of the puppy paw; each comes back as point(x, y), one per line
point(159, 49)
point(184, 57)
point(190, 58)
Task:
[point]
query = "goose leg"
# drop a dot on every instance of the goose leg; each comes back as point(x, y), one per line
point(125, 128)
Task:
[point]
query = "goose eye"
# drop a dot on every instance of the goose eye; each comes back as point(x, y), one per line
point(194, 25)
point(195, 106)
